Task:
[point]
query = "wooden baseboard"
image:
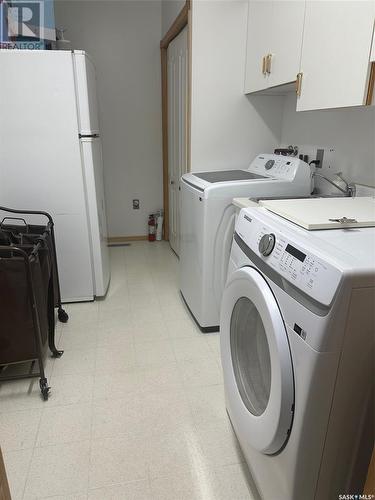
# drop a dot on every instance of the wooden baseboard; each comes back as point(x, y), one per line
point(124, 239)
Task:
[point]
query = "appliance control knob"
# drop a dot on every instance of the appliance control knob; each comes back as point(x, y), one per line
point(267, 244)
point(269, 164)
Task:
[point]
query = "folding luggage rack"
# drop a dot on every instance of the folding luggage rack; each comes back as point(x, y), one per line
point(29, 293)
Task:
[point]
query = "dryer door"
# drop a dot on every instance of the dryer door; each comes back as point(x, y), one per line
point(258, 372)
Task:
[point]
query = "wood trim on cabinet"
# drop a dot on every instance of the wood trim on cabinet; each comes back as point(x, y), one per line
point(371, 82)
point(183, 19)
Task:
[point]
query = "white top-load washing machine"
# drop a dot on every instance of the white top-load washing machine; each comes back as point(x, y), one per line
point(207, 224)
point(297, 346)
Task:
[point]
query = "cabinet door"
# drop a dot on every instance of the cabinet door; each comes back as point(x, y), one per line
point(335, 54)
point(285, 32)
point(259, 20)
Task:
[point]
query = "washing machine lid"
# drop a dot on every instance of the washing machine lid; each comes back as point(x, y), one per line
point(253, 331)
point(228, 175)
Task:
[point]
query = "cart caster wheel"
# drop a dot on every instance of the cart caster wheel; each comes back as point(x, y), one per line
point(45, 393)
point(62, 315)
point(44, 389)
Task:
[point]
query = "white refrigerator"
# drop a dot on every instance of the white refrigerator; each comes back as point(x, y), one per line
point(51, 159)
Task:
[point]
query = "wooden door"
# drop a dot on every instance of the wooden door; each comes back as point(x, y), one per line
point(177, 129)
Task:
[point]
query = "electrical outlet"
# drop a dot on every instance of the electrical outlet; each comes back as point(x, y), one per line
point(304, 150)
point(135, 204)
point(326, 155)
point(329, 158)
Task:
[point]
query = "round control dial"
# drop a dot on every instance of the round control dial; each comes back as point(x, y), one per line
point(269, 164)
point(267, 244)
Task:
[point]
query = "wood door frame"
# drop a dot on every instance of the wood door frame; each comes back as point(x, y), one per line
point(183, 19)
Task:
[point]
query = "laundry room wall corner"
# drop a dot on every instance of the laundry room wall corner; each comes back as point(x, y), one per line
point(228, 129)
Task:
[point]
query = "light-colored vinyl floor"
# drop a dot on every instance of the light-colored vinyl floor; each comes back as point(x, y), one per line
point(136, 409)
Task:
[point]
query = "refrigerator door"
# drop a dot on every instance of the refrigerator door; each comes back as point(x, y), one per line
point(40, 157)
point(93, 173)
point(87, 104)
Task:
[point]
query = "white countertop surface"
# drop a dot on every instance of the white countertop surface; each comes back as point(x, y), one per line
point(325, 213)
point(244, 202)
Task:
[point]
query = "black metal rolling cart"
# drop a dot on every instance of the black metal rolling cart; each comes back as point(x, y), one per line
point(29, 293)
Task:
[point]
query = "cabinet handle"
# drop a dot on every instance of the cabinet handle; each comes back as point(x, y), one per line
point(264, 65)
point(299, 84)
point(268, 63)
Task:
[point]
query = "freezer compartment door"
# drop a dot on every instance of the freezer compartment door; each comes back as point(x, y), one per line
point(87, 104)
point(93, 173)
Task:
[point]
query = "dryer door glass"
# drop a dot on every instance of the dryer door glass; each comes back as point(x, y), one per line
point(250, 355)
point(257, 361)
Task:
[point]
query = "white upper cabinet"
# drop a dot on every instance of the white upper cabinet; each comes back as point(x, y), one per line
point(285, 34)
point(274, 40)
point(258, 46)
point(336, 48)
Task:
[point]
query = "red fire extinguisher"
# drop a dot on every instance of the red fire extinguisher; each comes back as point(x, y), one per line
point(151, 227)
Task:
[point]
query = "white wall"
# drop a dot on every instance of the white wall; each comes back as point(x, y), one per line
point(169, 11)
point(350, 131)
point(123, 38)
point(228, 128)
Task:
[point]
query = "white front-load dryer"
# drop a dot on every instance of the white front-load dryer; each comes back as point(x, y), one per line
point(297, 345)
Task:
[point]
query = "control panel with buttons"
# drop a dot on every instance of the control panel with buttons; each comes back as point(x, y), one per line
point(282, 167)
point(295, 263)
